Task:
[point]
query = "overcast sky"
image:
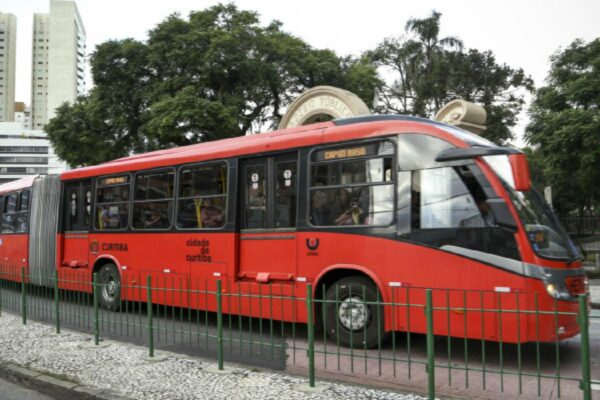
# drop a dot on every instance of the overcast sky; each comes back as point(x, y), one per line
point(522, 33)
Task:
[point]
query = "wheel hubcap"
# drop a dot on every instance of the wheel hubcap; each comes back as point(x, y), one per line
point(110, 289)
point(353, 313)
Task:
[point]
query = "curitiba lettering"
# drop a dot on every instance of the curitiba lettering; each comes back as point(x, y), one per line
point(114, 247)
point(203, 254)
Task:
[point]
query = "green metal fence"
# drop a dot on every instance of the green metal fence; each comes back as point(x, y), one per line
point(257, 324)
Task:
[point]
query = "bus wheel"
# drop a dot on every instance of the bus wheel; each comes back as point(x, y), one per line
point(351, 315)
point(110, 287)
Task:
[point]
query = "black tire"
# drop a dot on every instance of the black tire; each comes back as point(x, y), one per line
point(347, 295)
point(109, 287)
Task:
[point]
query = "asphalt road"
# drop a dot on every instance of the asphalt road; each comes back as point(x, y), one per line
point(15, 391)
point(14, 386)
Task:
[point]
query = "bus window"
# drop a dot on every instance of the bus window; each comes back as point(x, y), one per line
point(112, 203)
point(153, 200)
point(403, 207)
point(87, 212)
point(9, 213)
point(202, 200)
point(446, 202)
point(72, 201)
point(350, 191)
point(285, 194)
point(449, 207)
point(256, 197)
point(23, 213)
point(24, 201)
point(77, 206)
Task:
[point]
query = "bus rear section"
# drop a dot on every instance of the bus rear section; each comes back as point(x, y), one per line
point(28, 229)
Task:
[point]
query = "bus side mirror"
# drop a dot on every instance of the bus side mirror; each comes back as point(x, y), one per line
point(520, 171)
point(502, 214)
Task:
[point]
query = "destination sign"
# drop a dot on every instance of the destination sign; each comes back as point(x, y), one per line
point(344, 153)
point(340, 153)
point(114, 180)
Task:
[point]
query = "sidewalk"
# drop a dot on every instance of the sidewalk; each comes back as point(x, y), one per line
point(115, 370)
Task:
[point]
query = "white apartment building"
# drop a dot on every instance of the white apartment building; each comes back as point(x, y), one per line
point(8, 40)
point(25, 152)
point(58, 60)
point(23, 114)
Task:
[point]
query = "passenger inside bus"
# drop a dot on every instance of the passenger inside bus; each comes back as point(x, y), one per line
point(211, 215)
point(340, 206)
point(352, 215)
point(155, 218)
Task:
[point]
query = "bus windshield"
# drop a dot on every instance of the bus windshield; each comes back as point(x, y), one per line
point(547, 236)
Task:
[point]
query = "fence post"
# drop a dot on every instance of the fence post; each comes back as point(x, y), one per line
point(23, 296)
point(96, 319)
point(586, 383)
point(311, 336)
point(220, 324)
point(56, 302)
point(430, 345)
point(150, 324)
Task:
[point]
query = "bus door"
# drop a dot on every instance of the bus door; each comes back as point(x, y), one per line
point(268, 219)
point(77, 211)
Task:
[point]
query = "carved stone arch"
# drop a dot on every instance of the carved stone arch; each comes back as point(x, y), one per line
point(323, 101)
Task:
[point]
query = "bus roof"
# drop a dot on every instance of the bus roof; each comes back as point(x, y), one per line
point(307, 135)
point(18, 184)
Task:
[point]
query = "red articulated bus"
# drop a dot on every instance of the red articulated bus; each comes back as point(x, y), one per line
point(365, 208)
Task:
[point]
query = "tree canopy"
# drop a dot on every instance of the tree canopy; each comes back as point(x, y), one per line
point(221, 73)
point(217, 74)
point(565, 128)
point(429, 71)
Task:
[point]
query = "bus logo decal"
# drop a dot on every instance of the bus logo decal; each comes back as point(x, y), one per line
point(94, 247)
point(312, 244)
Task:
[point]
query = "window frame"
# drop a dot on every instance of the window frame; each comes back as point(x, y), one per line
point(17, 211)
point(452, 210)
point(269, 159)
point(27, 212)
point(177, 198)
point(133, 201)
point(273, 167)
point(96, 202)
point(80, 184)
point(393, 183)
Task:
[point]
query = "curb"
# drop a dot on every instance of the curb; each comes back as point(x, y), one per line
point(63, 388)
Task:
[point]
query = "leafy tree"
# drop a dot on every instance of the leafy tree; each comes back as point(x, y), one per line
point(78, 131)
point(431, 71)
point(565, 128)
point(217, 74)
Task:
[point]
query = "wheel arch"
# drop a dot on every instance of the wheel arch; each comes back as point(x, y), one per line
point(104, 259)
point(336, 272)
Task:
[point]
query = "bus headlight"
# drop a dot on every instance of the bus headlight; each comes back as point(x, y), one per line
point(558, 291)
point(551, 289)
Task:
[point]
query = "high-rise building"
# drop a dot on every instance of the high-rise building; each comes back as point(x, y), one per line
point(39, 71)
point(58, 60)
point(8, 40)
